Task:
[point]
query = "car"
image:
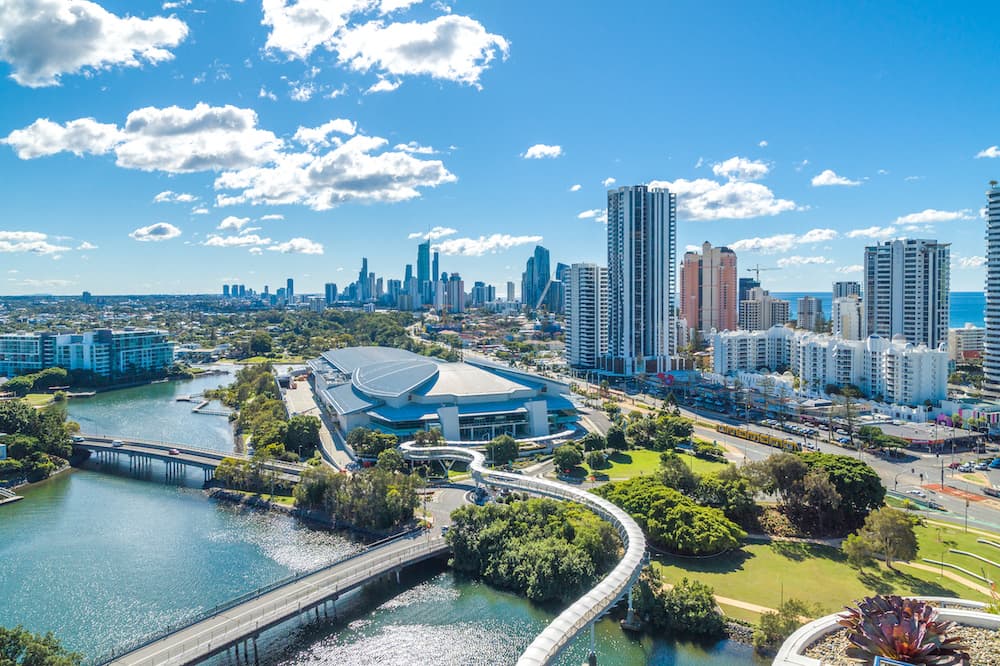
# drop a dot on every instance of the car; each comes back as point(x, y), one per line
point(173, 452)
point(965, 468)
point(118, 444)
point(444, 529)
point(78, 439)
point(982, 466)
point(995, 464)
point(918, 493)
point(843, 440)
point(953, 465)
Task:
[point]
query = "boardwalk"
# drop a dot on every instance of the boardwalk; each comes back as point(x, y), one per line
point(243, 622)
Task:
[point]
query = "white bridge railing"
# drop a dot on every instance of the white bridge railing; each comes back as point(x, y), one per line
point(592, 605)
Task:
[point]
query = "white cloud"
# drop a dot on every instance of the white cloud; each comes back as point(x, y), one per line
point(542, 151)
point(705, 199)
point(931, 215)
point(873, 232)
point(783, 242)
point(246, 240)
point(970, 262)
point(298, 29)
point(795, 260)
point(273, 216)
point(233, 222)
point(910, 179)
point(256, 251)
point(453, 48)
point(169, 196)
point(828, 178)
point(302, 92)
point(692, 248)
point(433, 234)
point(33, 242)
point(48, 282)
point(476, 247)
point(801, 165)
point(597, 214)
point(298, 246)
point(741, 168)
point(44, 137)
point(575, 188)
point(608, 182)
point(415, 148)
point(883, 172)
point(201, 210)
point(991, 152)
point(160, 231)
point(311, 137)
point(853, 268)
point(762, 144)
point(86, 245)
point(44, 39)
point(383, 85)
point(267, 94)
point(351, 172)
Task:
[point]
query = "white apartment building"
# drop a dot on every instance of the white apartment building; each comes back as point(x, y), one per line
point(642, 250)
point(106, 353)
point(842, 288)
point(966, 343)
point(586, 315)
point(891, 369)
point(760, 311)
point(907, 290)
point(809, 313)
point(991, 342)
point(847, 318)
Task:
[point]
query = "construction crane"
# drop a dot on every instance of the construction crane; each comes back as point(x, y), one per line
point(758, 268)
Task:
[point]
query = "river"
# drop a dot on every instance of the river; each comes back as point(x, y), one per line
point(103, 559)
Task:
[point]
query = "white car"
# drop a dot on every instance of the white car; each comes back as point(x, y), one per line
point(918, 493)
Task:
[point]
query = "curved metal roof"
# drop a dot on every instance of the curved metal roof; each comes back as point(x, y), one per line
point(392, 379)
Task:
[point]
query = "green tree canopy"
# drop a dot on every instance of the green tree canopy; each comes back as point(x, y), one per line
point(567, 457)
point(502, 450)
point(20, 647)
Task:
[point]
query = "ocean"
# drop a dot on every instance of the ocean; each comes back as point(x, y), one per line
point(966, 306)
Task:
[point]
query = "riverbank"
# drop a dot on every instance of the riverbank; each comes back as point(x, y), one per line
point(30, 484)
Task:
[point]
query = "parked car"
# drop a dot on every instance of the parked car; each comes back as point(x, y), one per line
point(982, 466)
point(954, 465)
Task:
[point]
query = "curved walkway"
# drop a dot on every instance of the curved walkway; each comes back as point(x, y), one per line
point(592, 605)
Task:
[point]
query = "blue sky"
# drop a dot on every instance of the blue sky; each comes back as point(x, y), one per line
point(171, 147)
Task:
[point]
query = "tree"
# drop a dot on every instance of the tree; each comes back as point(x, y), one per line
point(302, 433)
point(260, 343)
point(369, 443)
point(691, 609)
point(858, 484)
point(20, 647)
point(846, 407)
point(889, 533)
point(674, 473)
point(597, 460)
point(432, 437)
point(775, 627)
point(857, 551)
point(593, 441)
point(727, 491)
point(567, 457)
point(502, 450)
point(391, 460)
point(616, 438)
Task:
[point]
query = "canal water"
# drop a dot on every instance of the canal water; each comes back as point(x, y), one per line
point(102, 560)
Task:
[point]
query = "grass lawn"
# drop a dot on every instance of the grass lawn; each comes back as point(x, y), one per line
point(763, 573)
point(740, 613)
point(39, 399)
point(286, 500)
point(932, 540)
point(636, 462)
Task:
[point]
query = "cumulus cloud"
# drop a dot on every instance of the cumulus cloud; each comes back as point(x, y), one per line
point(795, 260)
point(245, 240)
point(32, 242)
point(160, 231)
point(260, 166)
point(169, 196)
point(383, 85)
point(783, 242)
point(575, 188)
point(200, 210)
point(608, 182)
point(970, 262)
point(706, 199)
point(476, 247)
point(302, 92)
point(273, 216)
point(433, 234)
point(267, 94)
point(86, 245)
point(44, 137)
point(298, 246)
point(931, 215)
point(853, 268)
point(313, 137)
point(351, 172)
point(415, 148)
point(597, 214)
point(762, 144)
point(741, 168)
point(541, 151)
point(45, 39)
point(234, 223)
point(875, 232)
point(991, 152)
point(828, 177)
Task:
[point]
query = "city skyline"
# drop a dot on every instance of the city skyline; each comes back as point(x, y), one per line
point(798, 181)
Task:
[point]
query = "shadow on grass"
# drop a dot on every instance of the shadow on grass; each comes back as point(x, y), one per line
point(721, 564)
point(885, 581)
point(799, 552)
point(620, 458)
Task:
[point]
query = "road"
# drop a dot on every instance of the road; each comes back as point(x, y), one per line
point(302, 400)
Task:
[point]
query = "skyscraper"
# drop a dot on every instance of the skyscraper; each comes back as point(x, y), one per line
point(642, 240)
point(536, 278)
point(510, 292)
point(408, 273)
point(364, 290)
point(586, 315)
point(809, 313)
point(709, 289)
point(424, 262)
point(991, 346)
point(745, 285)
point(436, 267)
point(907, 290)
point(330, 291)
point(846, 288)
point(290, 290)
point(225, 291)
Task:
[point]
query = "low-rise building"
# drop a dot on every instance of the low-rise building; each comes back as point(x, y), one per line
point(966, 343)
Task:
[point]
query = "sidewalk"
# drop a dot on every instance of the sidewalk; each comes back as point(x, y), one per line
point(301, 401)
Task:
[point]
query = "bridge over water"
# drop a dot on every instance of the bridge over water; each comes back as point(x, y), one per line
point(142, 452)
